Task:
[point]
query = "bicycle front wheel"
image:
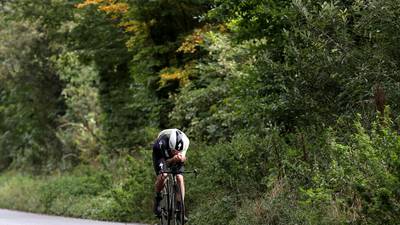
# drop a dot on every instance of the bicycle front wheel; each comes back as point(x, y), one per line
point(166, 204)
point(178, 206)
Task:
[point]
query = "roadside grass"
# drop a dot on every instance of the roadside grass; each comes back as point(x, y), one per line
point(82, 193)
point(20, 192)
point(65, 195)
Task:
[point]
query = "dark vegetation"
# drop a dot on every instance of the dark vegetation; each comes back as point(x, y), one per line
point(292, 107)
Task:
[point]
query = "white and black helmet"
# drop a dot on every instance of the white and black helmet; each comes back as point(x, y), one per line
point(176, 140)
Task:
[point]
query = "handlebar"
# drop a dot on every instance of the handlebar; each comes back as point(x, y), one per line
point(175, 171)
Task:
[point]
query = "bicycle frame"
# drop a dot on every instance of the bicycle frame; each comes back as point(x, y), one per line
point(172, 205)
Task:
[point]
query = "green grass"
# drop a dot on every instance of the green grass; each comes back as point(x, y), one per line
point(84, 196)
point(20, 192)
point(113, 194)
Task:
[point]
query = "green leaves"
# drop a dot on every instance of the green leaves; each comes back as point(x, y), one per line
point(32, 91)
point(79, 129)
point(272, 87)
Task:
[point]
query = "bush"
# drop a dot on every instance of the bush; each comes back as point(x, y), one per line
point(277, 206)
point(232, 173)
point(360, 182)
point(132, 196)
point(66, 194)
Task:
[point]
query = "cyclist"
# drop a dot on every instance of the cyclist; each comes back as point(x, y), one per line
point(169, 148)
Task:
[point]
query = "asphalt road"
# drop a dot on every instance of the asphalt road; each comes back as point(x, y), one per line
point(8, 217)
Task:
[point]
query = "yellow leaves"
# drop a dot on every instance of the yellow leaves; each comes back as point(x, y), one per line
point(119, 8)
point(139, 31)
point(88, 2)
point(107, 6)
point(197, 39)
point(192, 41)
point(111, 7)
point(174, 74)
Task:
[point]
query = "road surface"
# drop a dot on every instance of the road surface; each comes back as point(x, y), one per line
point(8, 217)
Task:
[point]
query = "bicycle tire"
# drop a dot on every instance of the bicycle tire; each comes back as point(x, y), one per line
point(178, 207)
point(166, 204)
point(172, 197)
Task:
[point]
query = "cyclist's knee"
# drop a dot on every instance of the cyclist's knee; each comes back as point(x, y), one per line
point(179, 177)
point(161, 176)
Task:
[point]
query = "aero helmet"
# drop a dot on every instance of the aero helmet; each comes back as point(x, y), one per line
point(175, 140)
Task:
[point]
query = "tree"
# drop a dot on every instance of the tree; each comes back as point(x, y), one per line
point(31, 95)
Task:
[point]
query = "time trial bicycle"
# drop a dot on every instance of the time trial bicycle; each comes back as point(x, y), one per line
point(172, 203)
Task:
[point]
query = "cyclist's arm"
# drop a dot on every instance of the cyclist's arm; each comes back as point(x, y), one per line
point(178, 158)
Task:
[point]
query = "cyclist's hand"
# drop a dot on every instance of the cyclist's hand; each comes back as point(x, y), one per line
point(180, 157)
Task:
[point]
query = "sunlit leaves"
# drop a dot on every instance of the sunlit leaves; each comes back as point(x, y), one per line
point(192, 41)
point(108, 6)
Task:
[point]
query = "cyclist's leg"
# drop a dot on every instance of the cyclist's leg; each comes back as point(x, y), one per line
point(158, 163)
point(160, 182)
point(180, 181)
point(180, 204)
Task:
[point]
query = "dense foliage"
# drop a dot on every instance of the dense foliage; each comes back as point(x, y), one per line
point(292, 107)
